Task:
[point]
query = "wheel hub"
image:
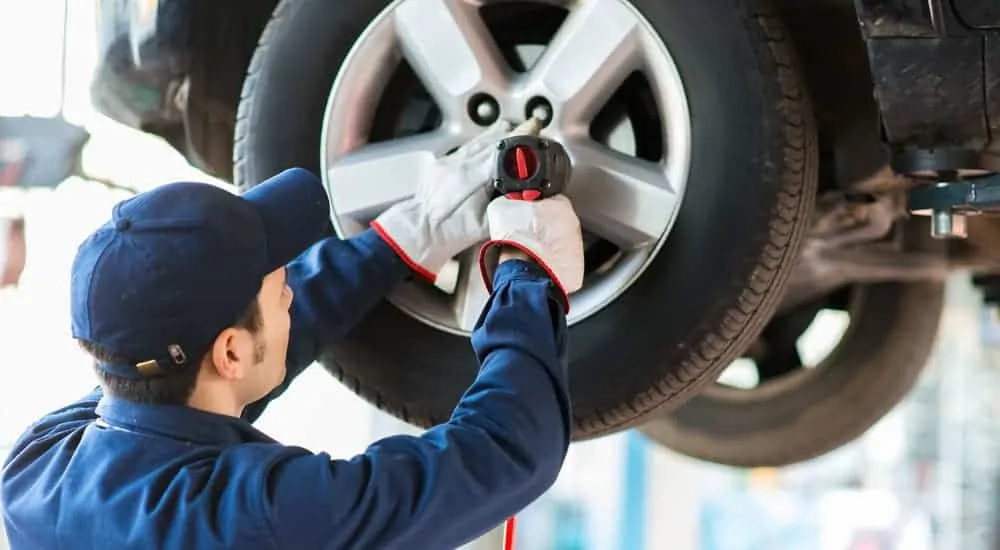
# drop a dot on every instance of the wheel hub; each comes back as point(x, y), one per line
point(627, 202)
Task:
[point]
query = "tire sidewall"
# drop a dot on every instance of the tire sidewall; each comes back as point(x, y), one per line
point(659, 334)
point(874, 366)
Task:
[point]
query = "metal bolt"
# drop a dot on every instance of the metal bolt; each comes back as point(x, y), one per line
point(539, 109)
point(541, 113)
point(483, 109)
point(946, 224)
point(486, 110)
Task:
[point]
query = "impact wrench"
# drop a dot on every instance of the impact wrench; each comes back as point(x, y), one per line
point(528, 168)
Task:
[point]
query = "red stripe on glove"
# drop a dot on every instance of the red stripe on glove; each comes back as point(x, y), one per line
point(417, 268)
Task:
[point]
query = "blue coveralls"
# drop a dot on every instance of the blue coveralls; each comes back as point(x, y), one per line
point(104, 473)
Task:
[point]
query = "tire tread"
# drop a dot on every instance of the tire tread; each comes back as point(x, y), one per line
point(744, 321)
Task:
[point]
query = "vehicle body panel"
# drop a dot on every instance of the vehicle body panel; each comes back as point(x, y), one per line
point(142, 59)
point(980, 14)
point(931, 70)
point(174, 68)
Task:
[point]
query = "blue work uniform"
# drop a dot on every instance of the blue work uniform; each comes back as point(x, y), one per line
point(105, 473)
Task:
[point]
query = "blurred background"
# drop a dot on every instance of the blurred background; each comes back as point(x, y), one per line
point(925, 477)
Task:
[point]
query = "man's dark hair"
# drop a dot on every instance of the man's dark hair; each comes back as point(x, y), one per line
point(173, 389)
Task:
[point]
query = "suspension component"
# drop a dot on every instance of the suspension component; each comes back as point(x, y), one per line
point(951, 183)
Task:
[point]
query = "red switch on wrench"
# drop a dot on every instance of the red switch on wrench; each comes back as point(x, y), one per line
point(530, 168)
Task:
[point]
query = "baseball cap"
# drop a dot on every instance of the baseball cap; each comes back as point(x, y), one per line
point(177, 265)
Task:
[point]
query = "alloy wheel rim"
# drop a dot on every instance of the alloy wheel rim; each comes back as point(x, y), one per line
point(797, 366)
point(630, 202)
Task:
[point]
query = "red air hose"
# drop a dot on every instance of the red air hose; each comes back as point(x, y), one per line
point(523, 165)
point(508, 533)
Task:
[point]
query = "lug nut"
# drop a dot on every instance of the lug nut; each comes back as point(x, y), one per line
point(486, 111)
point(540, 109)
point(483, 109)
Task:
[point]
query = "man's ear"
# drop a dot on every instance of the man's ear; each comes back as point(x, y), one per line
point(232, 353)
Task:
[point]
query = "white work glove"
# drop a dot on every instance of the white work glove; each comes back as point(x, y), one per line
point(547, 230)
point(447, 214)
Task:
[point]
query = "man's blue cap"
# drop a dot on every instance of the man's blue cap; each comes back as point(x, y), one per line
point(177, 265)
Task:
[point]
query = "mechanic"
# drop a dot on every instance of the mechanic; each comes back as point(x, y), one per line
point(185, 300)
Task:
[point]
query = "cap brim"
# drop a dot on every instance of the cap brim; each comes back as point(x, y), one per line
point(295, 210)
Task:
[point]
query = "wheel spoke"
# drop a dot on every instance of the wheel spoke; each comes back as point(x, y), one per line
point(372, 178)
point(450, 49)
point(625, 200)
point(588, 59)
point(470, 292)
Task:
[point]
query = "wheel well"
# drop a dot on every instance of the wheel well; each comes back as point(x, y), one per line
point(224, 36)
point(837, 71)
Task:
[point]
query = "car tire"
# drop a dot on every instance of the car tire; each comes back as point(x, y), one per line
point(715, 281)
point(807, 414)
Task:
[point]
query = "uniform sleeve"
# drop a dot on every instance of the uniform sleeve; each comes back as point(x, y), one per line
point(335, 283)
point(501, 449)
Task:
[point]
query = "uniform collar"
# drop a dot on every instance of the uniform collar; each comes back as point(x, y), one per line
point(179, 422)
